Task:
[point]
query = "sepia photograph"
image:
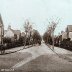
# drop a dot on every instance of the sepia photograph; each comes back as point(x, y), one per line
point(35, 35)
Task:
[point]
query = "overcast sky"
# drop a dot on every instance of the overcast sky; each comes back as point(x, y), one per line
point(39, 12)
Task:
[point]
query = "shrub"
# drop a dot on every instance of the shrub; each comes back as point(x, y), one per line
point(66, 43)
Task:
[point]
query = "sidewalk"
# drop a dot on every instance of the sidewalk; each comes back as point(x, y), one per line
point(13, 50)
point(62, 53)
point(60, 50)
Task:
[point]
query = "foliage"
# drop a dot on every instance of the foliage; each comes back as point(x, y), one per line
point(7, 40)
point(47, 38)
point(36, 37)
point(11, 44)
point(66, 44)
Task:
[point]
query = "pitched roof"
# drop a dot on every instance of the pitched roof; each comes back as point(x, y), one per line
point(17, 32)
point(69, 27)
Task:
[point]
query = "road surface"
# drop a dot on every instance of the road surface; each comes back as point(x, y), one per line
point(37, 59)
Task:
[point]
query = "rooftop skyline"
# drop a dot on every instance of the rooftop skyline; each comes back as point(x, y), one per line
point(38, 12)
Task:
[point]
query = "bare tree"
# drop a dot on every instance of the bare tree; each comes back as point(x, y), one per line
point(28, 30)
point(51, 29)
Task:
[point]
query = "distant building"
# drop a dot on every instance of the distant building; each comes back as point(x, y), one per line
point(22, 34)
point(64, 35)
point(1, 30)
point(67, 33)
point(13, 34)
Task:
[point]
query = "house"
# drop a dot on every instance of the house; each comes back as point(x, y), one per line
point(67, 33)
point(64, 35)
point(22, 34)
point(13, 34)
point(1, 30)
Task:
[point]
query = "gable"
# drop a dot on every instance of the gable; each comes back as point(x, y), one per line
point(9, 33)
